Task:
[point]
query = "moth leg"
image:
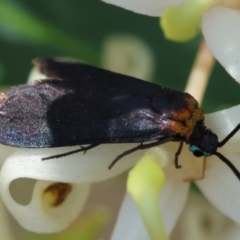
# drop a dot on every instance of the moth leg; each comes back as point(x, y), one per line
point(141, 147)
point(204, 168)
point(177, 155)
point(71, 152)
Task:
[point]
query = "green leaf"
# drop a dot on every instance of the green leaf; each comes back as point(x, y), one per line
point(27, 26)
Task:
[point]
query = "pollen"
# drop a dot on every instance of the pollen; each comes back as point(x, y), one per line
point(55, 194)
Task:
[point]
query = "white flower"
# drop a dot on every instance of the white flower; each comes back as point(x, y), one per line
point(220, 185)
point(220, 24)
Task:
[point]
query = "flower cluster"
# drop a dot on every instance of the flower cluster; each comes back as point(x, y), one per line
point(181, 19)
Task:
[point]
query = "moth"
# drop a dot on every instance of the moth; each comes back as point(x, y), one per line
point(81, 104)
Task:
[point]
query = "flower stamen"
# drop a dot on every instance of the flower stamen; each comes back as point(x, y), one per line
point(145, 181)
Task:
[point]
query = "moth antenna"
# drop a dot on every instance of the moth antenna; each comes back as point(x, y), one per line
point(230, 135)
point(230, 165)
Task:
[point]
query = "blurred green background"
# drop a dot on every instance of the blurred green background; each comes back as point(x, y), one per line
point(78, 28)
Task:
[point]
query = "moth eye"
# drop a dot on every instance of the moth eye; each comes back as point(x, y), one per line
point(197, 153)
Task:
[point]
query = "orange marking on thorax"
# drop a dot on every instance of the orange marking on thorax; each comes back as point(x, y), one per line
point(184, 121)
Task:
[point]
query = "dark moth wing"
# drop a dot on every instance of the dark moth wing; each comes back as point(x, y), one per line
point(81, 104)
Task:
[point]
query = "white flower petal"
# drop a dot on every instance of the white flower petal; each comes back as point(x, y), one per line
point(39, 215)
point(171, 205)
point(5, 152)
point(89, 167)
point(221, 186)
point(130, 226)
point(129, 55)
point(220, 27)
point(226, 121)
point(234, 232)
point(203, 221)
point(147, 7)
point(6, 232)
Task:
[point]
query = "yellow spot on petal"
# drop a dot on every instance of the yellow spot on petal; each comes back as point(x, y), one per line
point(145, 182)
point(182, 23)
point(55, 194)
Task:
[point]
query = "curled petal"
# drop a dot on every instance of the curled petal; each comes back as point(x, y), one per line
point(52, 208)
point(227, 120)
point(89, 167)
point(221, 186)
point(39, 215)
point(147, 7)
point(220, 27)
